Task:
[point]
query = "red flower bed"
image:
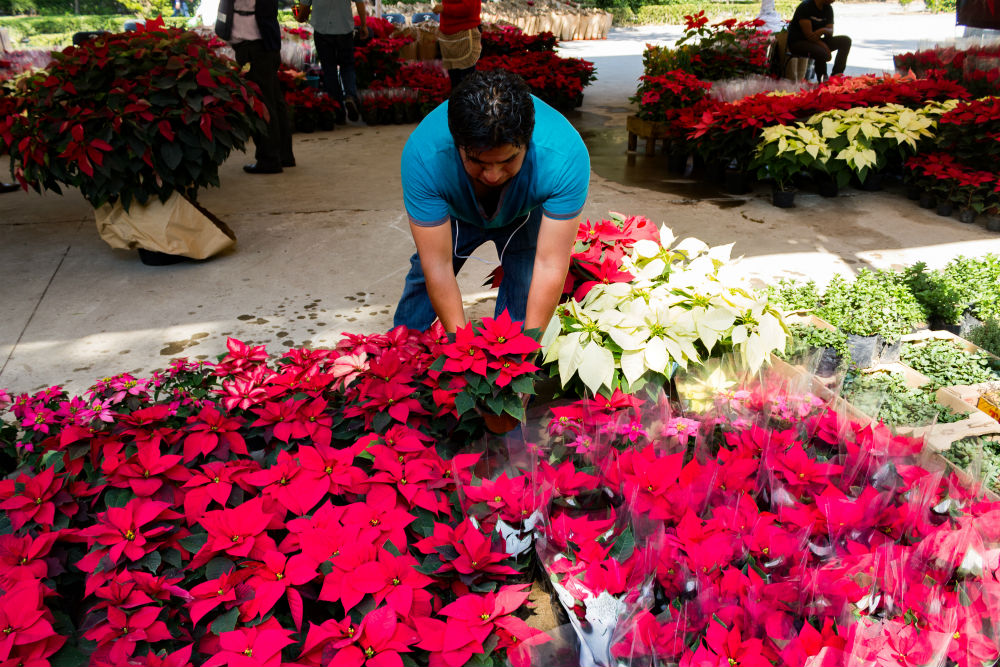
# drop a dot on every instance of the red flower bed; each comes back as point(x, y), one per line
point(673, 90)
point(976, 67)
point(558, 81)
point(508, 40)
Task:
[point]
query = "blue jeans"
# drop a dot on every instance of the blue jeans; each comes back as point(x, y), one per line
point(336, 57)
point(515, 246)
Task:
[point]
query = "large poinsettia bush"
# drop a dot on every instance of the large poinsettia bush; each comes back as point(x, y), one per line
point(131, 117)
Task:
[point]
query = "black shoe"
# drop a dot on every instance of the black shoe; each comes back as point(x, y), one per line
point(258, 168)
point(9, 187)
point(288, 163)
point(352, 110)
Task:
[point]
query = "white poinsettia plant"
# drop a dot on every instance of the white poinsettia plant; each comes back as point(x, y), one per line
point(676, 311)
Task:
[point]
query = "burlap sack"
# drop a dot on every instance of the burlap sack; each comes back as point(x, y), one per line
point(408, 52)
point(177, 227)
point(427, 37)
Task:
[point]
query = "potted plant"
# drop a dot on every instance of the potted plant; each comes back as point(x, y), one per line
point(138, 122)
point(785, 151)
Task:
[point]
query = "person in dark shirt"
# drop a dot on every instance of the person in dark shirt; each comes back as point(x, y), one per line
point(810, 33)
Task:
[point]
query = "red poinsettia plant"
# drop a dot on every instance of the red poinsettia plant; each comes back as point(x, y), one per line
point(130, 117)
point(658, 95)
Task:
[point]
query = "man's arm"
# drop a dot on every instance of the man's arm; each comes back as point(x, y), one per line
point(363, 19)
point(434, 248)
point(552, 255)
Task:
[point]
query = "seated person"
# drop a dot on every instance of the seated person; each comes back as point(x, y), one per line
point(810, 33)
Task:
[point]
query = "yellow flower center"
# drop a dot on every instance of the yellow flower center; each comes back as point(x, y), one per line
point(279, 576)
point(497, 499)
point(248, 652)
point(215, 479)
point(396, 581)
point(38, 501)
point(484, 617)
point(236, 538)
point(369, 652)
point(374, 522)
point(328, 470)
point(129, 535)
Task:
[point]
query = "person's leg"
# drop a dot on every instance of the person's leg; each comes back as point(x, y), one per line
point(811, 50)
point(264, 72)
point(842, 45)
point(414, 309)
point(348, 78)
point(516, 245)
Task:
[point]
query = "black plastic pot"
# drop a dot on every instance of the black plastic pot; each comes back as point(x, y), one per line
point(993, 223)
point(944, 208)
point(783, 198)
point(677, 162)
point(927, 200)
point(827, 187)
point(872, 182)
point(967, 215)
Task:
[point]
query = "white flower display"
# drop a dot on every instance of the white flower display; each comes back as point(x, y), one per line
point(676, 311)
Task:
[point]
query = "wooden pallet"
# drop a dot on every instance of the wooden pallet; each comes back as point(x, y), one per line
point(648, 130)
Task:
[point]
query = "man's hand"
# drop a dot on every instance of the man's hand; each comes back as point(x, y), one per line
point(434, 248)
point(552, 255)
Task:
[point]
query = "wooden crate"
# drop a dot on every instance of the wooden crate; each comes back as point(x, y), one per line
point(649, 130)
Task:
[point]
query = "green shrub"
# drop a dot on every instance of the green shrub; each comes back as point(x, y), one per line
point(979, 455)
point(940, 6)
point(947, 363)
point(806, 339)
point(886, 397)
point(977, 280)
point(792, 295)
point(987, 336)
point(875, 302)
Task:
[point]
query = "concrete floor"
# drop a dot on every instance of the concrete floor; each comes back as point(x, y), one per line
point(323, 248)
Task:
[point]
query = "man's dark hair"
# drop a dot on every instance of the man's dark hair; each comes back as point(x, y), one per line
point(491, 109)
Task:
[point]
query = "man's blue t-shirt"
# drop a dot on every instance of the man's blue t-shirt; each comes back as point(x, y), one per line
point(555, 174)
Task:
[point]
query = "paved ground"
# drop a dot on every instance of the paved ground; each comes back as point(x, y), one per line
point(323, 247)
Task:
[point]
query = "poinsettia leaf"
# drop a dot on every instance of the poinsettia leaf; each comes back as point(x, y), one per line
point(69, 655)
point(151, 561)
point(381, 421)
point(464, 403)
point(623, 547)
point(172, 557)
point(423, 524)
point(484, 586)
point(172, 155)
point(523, 384)
point(448, 551)
point(193, 542)
point(495, 404)
point(118, 497)
point(430, 565)
point(226, 622)
point(218, 567)
point(438, 364)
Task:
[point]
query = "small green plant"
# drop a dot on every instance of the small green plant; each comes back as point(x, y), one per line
point(937, 291)
point(977, 279)
point(875, 303)
point(792, 295)
point(885, 396)
point(806, 339)
point(978, 454)
point(947, 363)
point(987, 336)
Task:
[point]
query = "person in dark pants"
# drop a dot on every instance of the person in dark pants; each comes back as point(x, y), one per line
point(491, 164)
point(333, 33)
point(256, 39)
point(810, 33)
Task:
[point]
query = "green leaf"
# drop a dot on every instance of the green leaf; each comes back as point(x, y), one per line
point(624, 546)
point(193, 543)
point(172, 155)
point(151, 561)
point(218, 567)
point(464, 403)
point(118, 497)
point(69, 655)
point(226, 622)
point(523, 384)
